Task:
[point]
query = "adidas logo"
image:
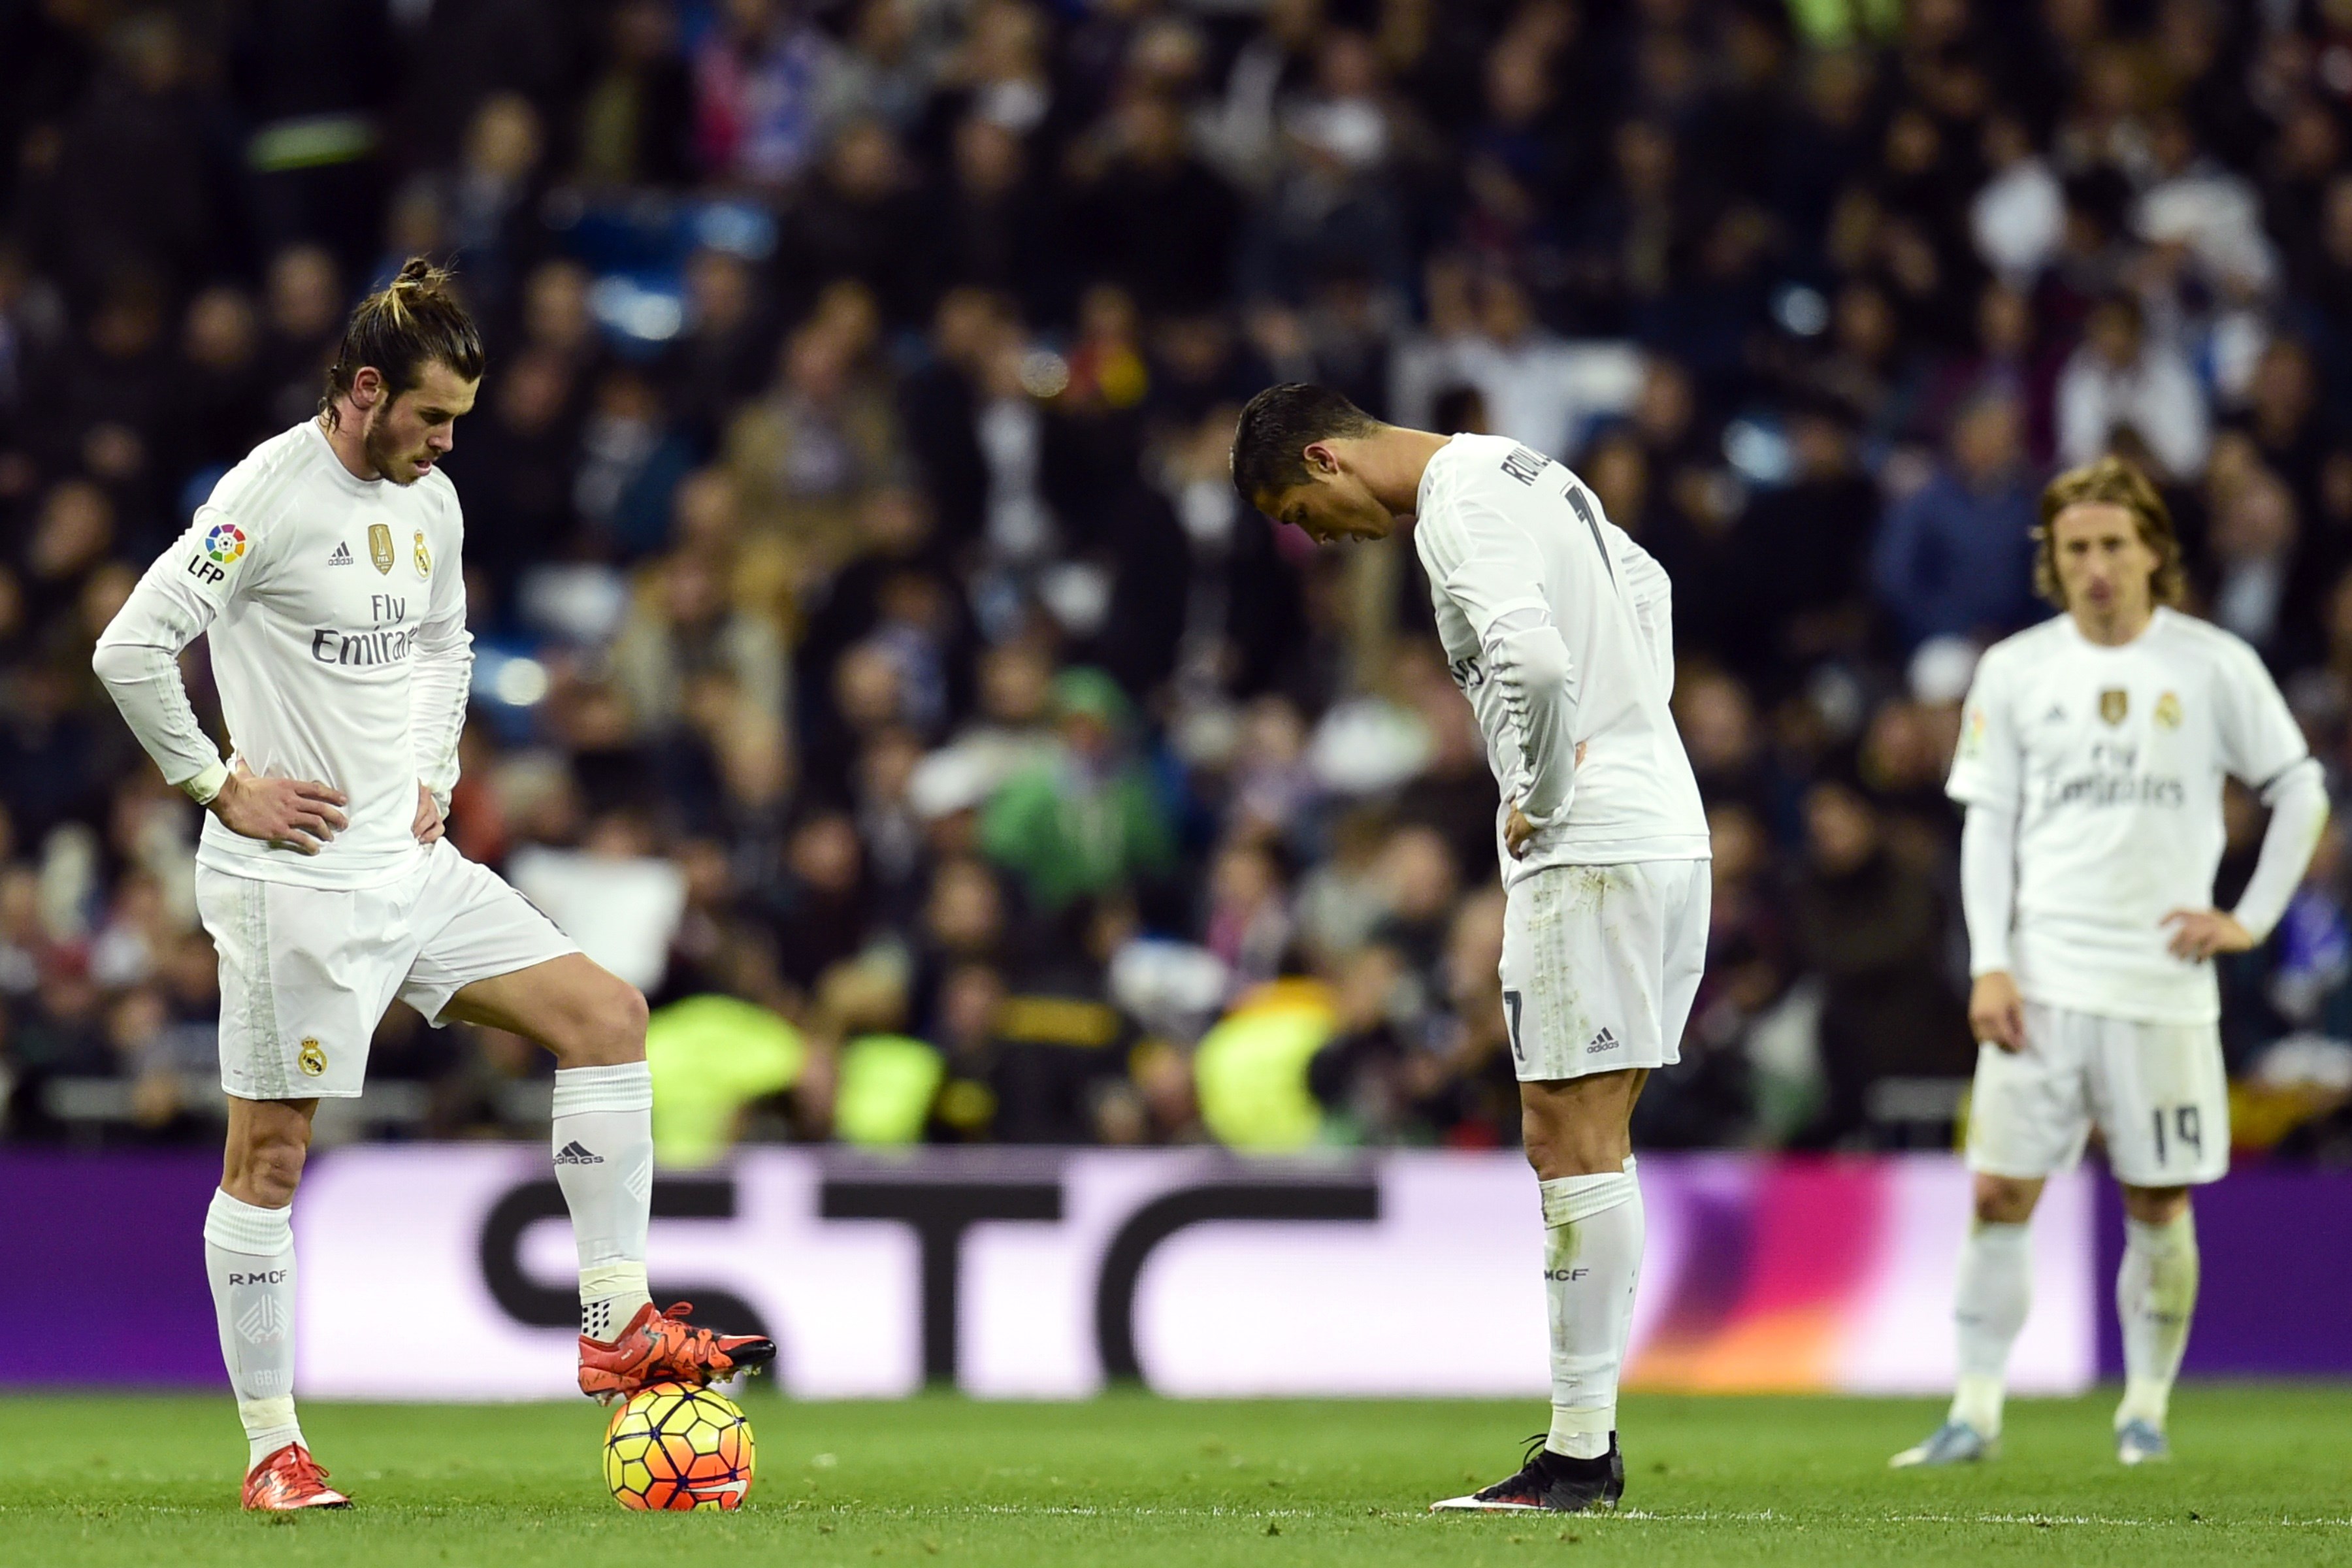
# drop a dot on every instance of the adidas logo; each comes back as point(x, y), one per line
point(2057, 715)
point(572, 1153)
point(342, 555)
point(1604, 1041)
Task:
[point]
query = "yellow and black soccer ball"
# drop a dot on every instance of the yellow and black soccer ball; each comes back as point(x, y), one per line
point(675, 1447)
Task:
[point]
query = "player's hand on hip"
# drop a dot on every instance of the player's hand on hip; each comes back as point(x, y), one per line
point(300, 814)
point(1517, 832)
point(2199, 934)
point(1996, 1011)
point(428, 824)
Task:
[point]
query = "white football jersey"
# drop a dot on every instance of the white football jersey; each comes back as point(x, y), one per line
point(1501, 529)
point(322, 594)
point(2113, 759)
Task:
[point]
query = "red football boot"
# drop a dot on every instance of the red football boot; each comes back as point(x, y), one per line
point(660, 1347)
point(288, 1480)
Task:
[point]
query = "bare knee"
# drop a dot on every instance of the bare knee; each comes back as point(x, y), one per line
point(1575, 1129)
point(2156, 1206)
point(1538, 1138)
point(607, 1027)
point(262, 1163)
point(2005, 1200)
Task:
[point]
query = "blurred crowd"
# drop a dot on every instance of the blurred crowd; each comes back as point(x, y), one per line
point(877, 666)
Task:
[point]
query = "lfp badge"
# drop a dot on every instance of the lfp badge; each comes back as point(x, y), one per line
point(224, 543)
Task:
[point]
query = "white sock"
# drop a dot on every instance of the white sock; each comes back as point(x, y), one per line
point(1642, 1219)
point(249, 1260)
point(604, 1138)
point(2156, 1295)
point(1996, 1287)
point(1592, 1260)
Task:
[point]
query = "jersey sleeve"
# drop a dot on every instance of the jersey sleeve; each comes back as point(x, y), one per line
point(2260, 739)
point(441, 678)
point(1651, 594)
point(1986, 768)
point(1479, 555)
point(1525, 656)
point(219, 558)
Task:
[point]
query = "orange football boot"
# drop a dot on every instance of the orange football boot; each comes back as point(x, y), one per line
point(288, 1480)
point(660, 1347)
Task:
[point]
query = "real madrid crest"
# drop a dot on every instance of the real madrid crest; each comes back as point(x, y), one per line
point(311, 1057)
point(2167, 712)
point(2113, 703)
point(380, 546)
point(424, 557)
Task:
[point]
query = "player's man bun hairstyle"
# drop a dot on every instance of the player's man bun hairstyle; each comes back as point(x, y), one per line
point(2112, 482)
point(1278, 424)
point(414, 320)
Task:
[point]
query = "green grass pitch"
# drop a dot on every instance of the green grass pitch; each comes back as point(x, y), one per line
point(2264, 1476)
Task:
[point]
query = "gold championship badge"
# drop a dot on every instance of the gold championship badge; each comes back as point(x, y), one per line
point(2113, 703)
point(380, 546)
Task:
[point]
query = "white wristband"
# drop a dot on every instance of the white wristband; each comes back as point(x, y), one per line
point(205, 785)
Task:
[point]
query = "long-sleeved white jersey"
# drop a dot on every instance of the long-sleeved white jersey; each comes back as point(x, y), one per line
point(2092, 776)
point(1559, 630)
point(337, 612)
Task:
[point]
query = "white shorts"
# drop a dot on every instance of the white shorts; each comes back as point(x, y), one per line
point(2158, 1093)
point(306, 973)
point(1600, 964)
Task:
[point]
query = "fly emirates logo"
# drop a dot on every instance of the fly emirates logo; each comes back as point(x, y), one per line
point(381, 644)
point(2112, 778)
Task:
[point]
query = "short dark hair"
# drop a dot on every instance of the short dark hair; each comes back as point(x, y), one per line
point(1276, 427)
point(414, 320)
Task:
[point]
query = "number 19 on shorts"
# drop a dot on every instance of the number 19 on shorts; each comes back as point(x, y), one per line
point(2179, 1125)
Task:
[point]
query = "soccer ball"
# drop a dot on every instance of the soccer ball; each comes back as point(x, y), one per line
point(671, 1446)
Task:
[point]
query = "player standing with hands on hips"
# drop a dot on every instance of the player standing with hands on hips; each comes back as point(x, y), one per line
point(2092, 754)
point(1559, 629)
point(326, 568)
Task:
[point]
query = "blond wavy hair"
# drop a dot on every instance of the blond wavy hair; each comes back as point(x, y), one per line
point(2112, 482)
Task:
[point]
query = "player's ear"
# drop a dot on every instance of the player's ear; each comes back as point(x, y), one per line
point(367, 386)
point(1321, 459)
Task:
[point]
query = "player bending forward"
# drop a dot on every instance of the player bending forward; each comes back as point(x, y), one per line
point(326, 568)
point(2090, 764)
point(1558, 630)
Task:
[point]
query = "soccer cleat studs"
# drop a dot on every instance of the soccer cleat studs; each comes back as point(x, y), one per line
point(662, 1347)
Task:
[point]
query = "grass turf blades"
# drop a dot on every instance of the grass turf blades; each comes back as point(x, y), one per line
point(2261, 1479)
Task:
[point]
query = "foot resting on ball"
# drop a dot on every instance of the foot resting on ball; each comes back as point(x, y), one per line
point(288, 1480)
point(662, 1347)
point(1548, 1483)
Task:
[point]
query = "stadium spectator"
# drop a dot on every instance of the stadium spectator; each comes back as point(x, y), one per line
point(2121, 378)
point(1086, 819)
point(852, 542)
point(1951, 560)
point(1872, 928)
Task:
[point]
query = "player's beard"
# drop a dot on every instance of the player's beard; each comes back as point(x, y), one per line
point(386, 459)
